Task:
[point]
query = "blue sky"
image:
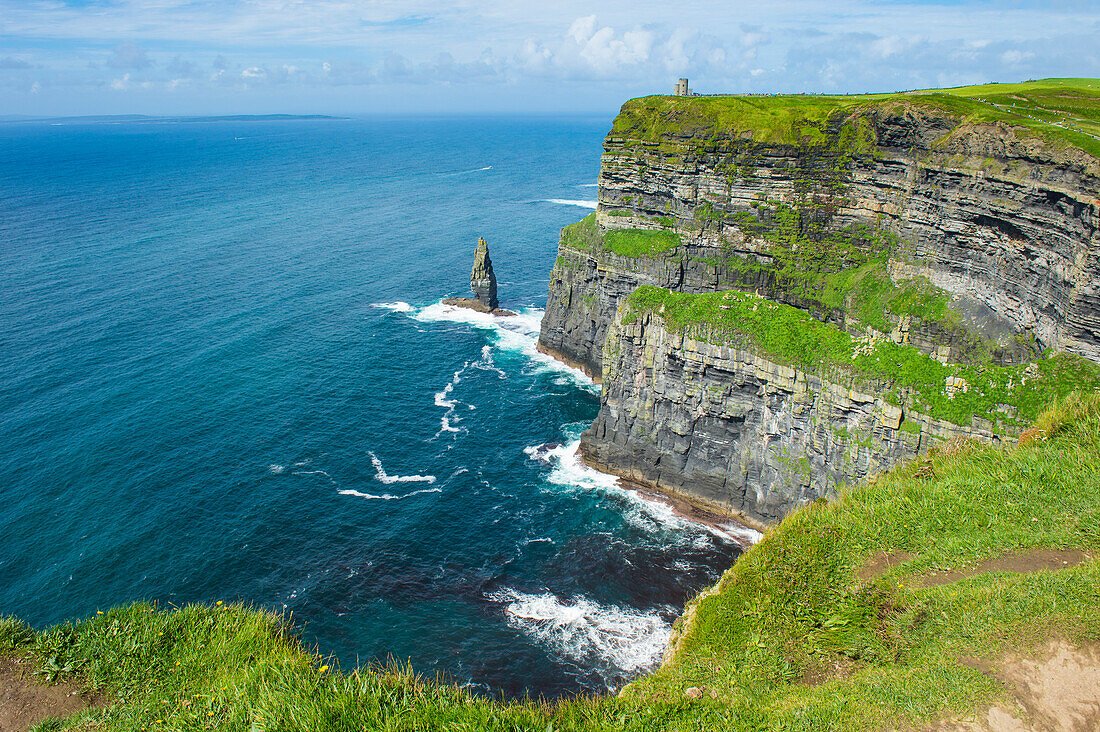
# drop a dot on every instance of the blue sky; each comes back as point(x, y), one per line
point(379, 56)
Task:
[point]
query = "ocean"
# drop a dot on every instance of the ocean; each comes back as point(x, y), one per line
point(226, 374)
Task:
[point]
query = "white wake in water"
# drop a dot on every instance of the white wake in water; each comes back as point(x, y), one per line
point(572, 202)
point(388, 496)
point(584, 630)
point(382, 477)
point(464, 172)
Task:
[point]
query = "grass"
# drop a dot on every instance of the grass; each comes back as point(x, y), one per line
point(792, 607)
point(881, 653)
point(791, 336)
point(1064, 112)
point(640, 242)
point(585, 236)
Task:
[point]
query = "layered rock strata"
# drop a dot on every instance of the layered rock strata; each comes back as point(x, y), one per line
point(738, 433)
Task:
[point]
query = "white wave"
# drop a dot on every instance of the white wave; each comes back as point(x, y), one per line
point(486, 363)
point(314, 472)
point(388, 496)
point(441, 399)
point(446, 426)
point(571, 472)
point(588, 185)
point(518, 333)
point(581, 629)
point(641, 511)
point(397, 307)
point(276, 469)
point(572, 202)
point(382, 477)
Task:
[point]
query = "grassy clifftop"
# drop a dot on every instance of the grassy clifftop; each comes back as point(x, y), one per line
point(1064, 112)
point(889, 607)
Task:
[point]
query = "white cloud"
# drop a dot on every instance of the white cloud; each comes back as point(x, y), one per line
point(323, 46)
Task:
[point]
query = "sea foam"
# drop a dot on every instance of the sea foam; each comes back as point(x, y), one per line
point(584, 630)
point(572, 202)
point(641, 511)
point(397, 307)
point(382, 477)
point(388, 496)
point(518, 333)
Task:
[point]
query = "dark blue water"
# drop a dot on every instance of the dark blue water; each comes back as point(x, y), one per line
point(225, 375)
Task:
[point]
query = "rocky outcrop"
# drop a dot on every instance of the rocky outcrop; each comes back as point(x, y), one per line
point(482, 280)
point(738, 433)
point(484, 284)
point(974, 243)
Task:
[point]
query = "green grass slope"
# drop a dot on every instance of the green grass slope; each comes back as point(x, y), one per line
point(791, 638)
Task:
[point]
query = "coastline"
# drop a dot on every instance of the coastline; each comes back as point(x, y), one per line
point(559, 356)
point(691, 507)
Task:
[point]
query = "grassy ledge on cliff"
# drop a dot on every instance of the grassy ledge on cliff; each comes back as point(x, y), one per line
point(1009, 397)
point(892, 607)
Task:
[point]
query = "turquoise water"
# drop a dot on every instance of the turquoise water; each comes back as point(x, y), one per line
point(225, 375)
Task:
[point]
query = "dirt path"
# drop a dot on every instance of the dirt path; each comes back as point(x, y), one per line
point(1018, 562)
point(1057, 692)
point(24, 701)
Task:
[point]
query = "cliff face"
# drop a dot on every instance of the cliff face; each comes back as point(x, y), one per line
point(971, 240)
point(736, 431)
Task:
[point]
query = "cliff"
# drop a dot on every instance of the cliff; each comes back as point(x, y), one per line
point(952, 225)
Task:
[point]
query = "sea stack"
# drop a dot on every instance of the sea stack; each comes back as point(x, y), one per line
point(482, 280)
point(484, 284)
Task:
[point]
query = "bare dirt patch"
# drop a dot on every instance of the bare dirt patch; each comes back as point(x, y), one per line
point(1059, 691)
point(881, 563)
point(1019, 562)
point(24, 701)
point(829, 669)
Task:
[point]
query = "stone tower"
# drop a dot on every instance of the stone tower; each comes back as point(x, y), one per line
point(682, 88)
point(482, 280)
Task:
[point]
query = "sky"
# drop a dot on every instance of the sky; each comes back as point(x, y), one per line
point(356, 57)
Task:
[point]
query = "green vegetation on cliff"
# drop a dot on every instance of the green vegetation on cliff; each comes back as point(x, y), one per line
point(585, 236)
point(1063, 112)
point(797, 636)
point(1009, 396)
point(842, 269)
